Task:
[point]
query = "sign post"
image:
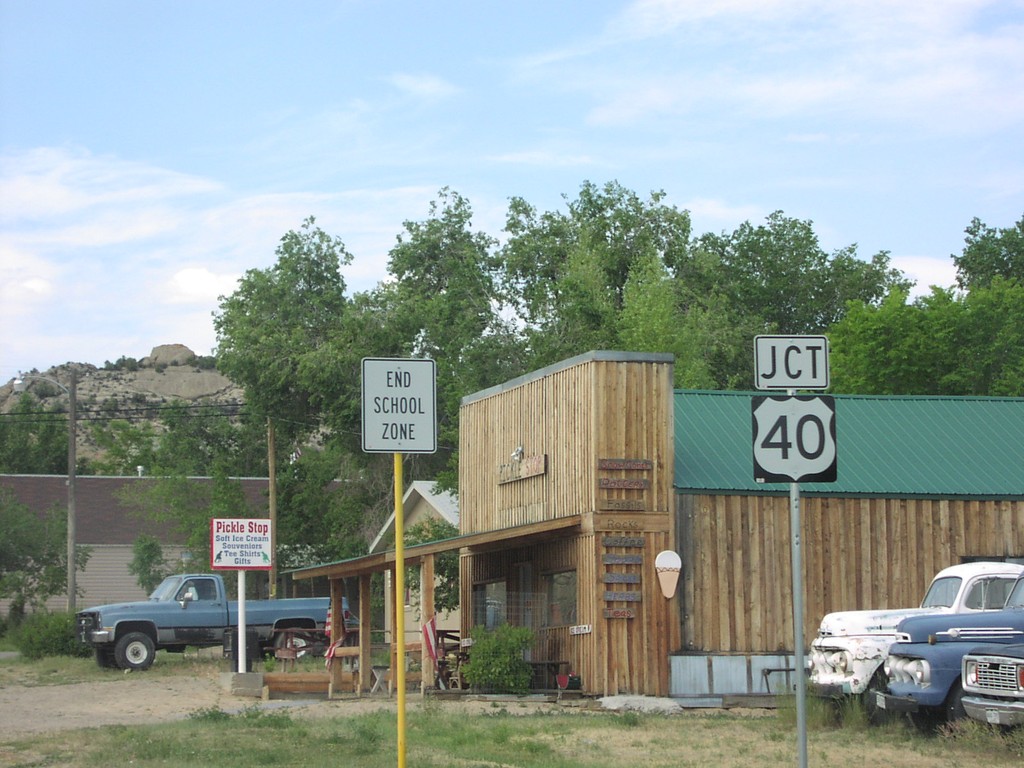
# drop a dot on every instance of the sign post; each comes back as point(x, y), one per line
point(399, 416)
point(241, 545)
point(794, 440)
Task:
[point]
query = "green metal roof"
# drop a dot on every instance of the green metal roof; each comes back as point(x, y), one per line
point(886, 446)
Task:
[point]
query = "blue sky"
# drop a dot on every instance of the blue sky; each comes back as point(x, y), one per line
point(151, 152)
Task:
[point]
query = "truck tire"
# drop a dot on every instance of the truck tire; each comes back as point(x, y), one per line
point(134, 651)
point(954, 706)
point(879, 684)
point(104, 657)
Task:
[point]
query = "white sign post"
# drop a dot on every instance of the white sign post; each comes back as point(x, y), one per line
point(794, 439)
point(399, 405)
point(399, 416)
point(239, 544)
point(791, 362)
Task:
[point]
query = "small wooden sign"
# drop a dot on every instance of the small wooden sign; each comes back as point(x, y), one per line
point(619, 613)
point(622, 541)
point(620, 578)
point(580, 629)
point(633, 483)
point(622, 559)
point(527, 466)
point(622, 505)
point(626, 597)
point(642, 465)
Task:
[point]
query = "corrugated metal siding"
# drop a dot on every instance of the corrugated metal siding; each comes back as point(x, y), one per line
point(886, 446)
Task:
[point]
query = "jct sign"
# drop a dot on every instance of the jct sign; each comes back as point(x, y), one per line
point(791, 362)
point(794, 439)
point(241, 544)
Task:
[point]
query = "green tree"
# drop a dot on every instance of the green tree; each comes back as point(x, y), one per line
point(446, 304)
point(206, 440)
point(779, 273)
point(940, 344)
point(566, 274)
point(33, 554)
point(147, 565)
point(990, 253)
point(33, 439)
point(270, 329)
point(188, 505)
point(123, 446)
point(446, 564)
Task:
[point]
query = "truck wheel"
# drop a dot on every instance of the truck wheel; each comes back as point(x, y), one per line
point(955, 703)
point(134, 651)
point(104, 656)
point(879, 684)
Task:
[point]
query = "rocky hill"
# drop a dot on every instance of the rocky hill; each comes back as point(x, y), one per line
point(171, 373)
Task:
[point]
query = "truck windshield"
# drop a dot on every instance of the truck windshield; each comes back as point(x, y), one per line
point(942, 592)
point(1016, 598)
point(166, 589)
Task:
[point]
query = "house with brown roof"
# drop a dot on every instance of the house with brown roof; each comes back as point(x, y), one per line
point(109, 528)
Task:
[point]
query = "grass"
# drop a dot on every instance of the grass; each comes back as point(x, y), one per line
point(62, 670)
point(505, 734)
point(556, 739)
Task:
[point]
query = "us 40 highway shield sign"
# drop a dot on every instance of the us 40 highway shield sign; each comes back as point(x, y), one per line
point(794, 438)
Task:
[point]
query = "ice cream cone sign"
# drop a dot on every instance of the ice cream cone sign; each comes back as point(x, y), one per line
point(667, 565)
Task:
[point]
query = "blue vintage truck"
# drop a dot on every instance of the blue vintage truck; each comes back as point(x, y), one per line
point(188, 610)
point(993, 682)
point(924, 664)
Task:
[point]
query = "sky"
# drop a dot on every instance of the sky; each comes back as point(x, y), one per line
point(152, 152)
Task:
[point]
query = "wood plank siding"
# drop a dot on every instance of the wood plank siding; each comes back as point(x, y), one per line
point(590, 439)
point(858, 553)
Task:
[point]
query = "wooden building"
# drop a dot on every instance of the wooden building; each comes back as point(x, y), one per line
point(923, 483)
point(582, 451)
point(574, 478)
point(565, 500)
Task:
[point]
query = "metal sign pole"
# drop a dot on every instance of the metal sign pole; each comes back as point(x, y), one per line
point(798, 624)
point(241, 639)
point(400, 607)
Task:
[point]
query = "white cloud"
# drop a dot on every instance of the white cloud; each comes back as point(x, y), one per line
point(102, 235)
point(543, 158)
point(926, 271)
point(200, 285)
point(423, 86)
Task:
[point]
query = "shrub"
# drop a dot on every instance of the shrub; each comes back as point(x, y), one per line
point(49, 634)
point(496, 661)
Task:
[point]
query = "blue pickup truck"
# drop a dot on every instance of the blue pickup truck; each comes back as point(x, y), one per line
point(188, 610)
point(924, 664)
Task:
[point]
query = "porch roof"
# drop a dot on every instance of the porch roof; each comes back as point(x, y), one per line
point(478, 542)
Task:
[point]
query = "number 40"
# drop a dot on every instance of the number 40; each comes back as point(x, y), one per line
point(809, 425)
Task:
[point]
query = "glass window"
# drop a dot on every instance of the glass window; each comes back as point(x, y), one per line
point(560, 589)
point(489, 604)
point(942, 592)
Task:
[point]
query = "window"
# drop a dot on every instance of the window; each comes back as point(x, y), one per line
point(560, 590)
point(489, 604)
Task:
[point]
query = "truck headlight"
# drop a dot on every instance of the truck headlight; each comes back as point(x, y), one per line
point(970, 672)
point(840, 661)
point(919, 671)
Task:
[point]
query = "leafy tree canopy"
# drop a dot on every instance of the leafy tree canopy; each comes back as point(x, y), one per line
point(990, 252)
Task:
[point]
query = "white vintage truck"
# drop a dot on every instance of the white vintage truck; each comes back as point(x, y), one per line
point(847, 655)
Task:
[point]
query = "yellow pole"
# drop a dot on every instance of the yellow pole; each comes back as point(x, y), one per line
point(400, 607)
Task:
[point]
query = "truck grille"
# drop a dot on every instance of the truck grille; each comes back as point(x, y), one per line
point(86, 622)
point(993, 676)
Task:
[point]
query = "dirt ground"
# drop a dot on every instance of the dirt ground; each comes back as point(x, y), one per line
point(144, 698)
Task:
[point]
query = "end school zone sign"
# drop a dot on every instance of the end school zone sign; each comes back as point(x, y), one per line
point(399, 405)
